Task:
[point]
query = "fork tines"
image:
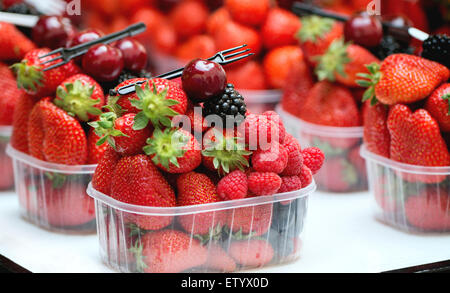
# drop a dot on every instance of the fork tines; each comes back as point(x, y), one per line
point(222, 57)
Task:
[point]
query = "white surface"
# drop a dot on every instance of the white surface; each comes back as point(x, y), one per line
point(341, 235)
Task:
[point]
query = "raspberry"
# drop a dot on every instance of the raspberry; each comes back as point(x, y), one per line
point(233, 186)
point(313, 158)
point(274, 159)
point(290, 183)
point(264, 183)
point(295, 158)
point(260, 131)
point(273, 116)
point(305, 176)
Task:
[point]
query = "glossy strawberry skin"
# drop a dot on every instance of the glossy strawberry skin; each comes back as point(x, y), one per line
point(376, 134)
point(10, 94)
point(248, 12)
point(134, 141)
point(278, 62)
point(95, 152)
point(252, 253)
point(232, 34)
point(124, 101)
point(279, 28)
point(438, 107)
point(101, 180)
point(14, 44)
point(19, 137)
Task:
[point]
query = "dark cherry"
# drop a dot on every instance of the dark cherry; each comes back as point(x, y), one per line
point(52, 31)
point(103, 62)
point(203, 79)
point(134, 54)
point(396, 30)
point(84, 36)
point(364, 30)
point(286, 4)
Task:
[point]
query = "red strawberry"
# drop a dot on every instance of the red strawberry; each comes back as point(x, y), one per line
point(279, 28)
point(14, 44)
point(6, 168)
point(305, 176)
point(251, 253)
point(416, 138)
point(274, 159)
point(316, 35)
point(95, 152)
point(174, 150)
point(248, 12)
point(233, 186)
point(81, 96)
point(189, 18)
point(101, 180)
point(343, 62)
point(10, 95)
point(19, 137)
point(198, 123)
point(218, 259)
point(250, 221)
point(196, 189)
point(249, 75)
point(122, 104)
point(199, 46)
point(295, 158)
point(137, 181)
point(313, 158)
point(403, 78)
point(164, 38)
point(36, 82)
point(216, 19)
point(278, 62)
point(55, 136)
point(429, 211)
point(330, 104)
point(264, 183)
point(231, 34)
point(376, 133)
point(338, 175)
point(290, 183)
point(168, 251)
point(437, 105)
point(120, 133)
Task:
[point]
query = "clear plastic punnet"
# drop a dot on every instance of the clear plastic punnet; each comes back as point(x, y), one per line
point(218, 237)
point(53, 196)
point(409, 197)
point(344, 169)
point(6, 168)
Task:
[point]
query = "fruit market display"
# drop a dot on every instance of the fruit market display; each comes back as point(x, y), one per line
point(240, 157)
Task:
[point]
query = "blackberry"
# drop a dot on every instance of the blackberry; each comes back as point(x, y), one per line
point(388, 46)
point(229, 104)
point(437, 48)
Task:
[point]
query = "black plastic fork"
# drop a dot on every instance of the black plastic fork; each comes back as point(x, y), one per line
point(67, 54)
point(222, 57)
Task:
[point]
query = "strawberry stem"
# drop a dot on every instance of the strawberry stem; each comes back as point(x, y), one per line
point(314, 27)
point(446, 97)
point(333, 61)
point(370, 81)
point(28, 77)
point(104, 128)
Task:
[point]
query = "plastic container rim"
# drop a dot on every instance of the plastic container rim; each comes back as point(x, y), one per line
point(5, 130)
point(322, 130)
point(408, 168)
point(47, 166)
point(194, 209)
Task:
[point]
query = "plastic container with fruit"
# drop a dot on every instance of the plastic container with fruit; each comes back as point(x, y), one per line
point(53, 196)
point(410, 197)
point(344, 169)
point(7, 178)
point(247, 233)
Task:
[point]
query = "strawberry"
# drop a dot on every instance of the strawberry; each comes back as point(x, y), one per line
point(6, 168)
point(313, 158)
point(338, 175)
point(81, 96)
point(122, 104)
point(438, 106)
point(55, 136)
point(219, 260)
point(376, 133)
point(95, 152)
point(305, 176)
point(224, 152)
point(344, 62)
point(120, 133)
point(199, 46)
point(14, 43)
point(252, 221)
point(152, 19)
point(198, 123)
point(274, 159)
point(174, 150)
point(164, 38)
point(231, 34)
point(316, 34)
point(403, 78)
point(278, 62)
point(295, 158)
point(168, 251)
point(249, 75)
point(264, 183)
point(330, 104)
point(34, 81)
point(216, 19)
point(233, 186)
point(290, 183)
point(10, 95)
point(189, 18)
point(248, 12)
point(101, 180)
point(194, 189)
point(137, 181)
point(23, 107)
point(279, 28)
point(429, 211)
point(251, 253)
